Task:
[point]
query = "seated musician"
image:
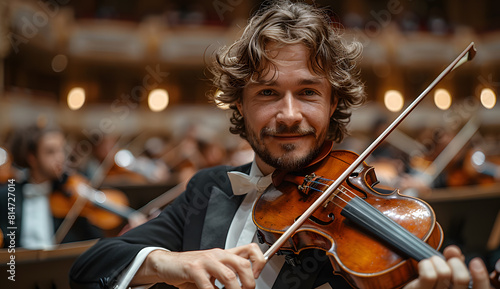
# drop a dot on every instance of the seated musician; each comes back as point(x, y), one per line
point(290, 81)
point(41, 152)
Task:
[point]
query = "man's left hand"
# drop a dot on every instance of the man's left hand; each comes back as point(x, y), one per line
point(437, 273)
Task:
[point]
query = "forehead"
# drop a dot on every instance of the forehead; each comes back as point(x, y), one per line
point(285, 58)
point(280, 51)
point(51, 139)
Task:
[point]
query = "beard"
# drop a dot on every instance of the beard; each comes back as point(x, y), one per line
point(287, 161)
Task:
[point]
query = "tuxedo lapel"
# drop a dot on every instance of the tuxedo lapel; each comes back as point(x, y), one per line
point(215, 218)
point(220, 211)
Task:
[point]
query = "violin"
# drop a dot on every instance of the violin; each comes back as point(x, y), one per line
point(105, 209)
point(358, 227)
point(373, 239)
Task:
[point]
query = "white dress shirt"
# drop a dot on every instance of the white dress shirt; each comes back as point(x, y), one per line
point(243, 230)
point(37, 221)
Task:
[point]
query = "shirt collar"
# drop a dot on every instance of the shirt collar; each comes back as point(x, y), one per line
point(31, 190)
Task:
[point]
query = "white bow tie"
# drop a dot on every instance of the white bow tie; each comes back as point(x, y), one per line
point(243, 183)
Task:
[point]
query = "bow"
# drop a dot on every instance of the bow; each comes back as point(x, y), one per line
point(243, 183)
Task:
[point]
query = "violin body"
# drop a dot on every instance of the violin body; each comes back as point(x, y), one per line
point(362, 258)
point(62, 202)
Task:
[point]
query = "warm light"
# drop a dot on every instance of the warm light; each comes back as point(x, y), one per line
point(219, 103)
point(59, 62)
point(488, 98)
point(442, 99)
point(124, 158)
point(158, 99)
point(393, 100)
point(76, 98)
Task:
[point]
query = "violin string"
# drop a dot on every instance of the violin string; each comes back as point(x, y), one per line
point(341, 186)
point(343, 189)
point(347, 190)
point(368, 214)
point(322, 191)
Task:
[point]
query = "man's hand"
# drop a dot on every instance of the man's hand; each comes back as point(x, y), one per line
point(437, 273)
point(200, 269)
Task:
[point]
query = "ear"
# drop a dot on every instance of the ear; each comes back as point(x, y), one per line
point(333, 105)
point(239, 106)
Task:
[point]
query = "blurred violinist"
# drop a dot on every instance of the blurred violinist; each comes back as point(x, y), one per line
point(149, 163)
point(102, 168)
point(41, 153)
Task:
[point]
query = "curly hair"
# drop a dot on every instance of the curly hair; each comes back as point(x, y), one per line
point(285, 22)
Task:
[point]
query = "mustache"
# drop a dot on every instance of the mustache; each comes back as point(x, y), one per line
point(284, 129)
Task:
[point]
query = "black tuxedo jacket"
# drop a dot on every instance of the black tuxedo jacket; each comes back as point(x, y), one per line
point(198, 219)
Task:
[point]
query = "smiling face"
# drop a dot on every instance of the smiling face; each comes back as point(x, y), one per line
point(287, 110)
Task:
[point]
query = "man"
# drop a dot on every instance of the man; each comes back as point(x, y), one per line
point(40, 150)
point(290, 81)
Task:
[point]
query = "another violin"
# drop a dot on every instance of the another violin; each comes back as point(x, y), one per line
point(105, 209)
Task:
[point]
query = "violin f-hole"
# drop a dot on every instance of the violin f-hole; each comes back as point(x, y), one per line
point(321, 222)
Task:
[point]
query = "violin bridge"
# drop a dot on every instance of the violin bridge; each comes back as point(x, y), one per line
point(331, 197)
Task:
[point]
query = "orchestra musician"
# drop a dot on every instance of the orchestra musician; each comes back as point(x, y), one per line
point(41, 152)
point(101, 166)
point(290, 81)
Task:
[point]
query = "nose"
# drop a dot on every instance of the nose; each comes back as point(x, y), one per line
point(290, 110)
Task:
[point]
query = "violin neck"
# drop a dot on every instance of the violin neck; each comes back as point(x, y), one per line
point(99, 199)
point(122, 211)
point(365, 215)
